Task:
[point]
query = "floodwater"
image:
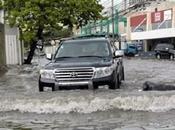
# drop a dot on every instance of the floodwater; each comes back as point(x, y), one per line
point(22, 107)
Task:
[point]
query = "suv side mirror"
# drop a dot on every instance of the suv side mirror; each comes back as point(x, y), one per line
point(118, 53)
point(49, 56)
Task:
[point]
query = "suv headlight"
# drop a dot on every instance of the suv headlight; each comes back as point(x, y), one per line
point(104, 71)
point(47, 74)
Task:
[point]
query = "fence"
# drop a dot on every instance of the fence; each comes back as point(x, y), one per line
point(103, 26)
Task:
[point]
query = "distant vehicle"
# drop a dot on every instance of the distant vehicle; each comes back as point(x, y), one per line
point(164, 50)
point(84, 61)
point(131, 50)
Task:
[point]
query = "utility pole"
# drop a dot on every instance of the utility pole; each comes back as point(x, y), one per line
point(112, 8)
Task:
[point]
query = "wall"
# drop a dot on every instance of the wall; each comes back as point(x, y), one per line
point(13, 46)
point(2, 45)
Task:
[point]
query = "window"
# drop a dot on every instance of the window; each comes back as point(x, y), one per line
point(87, 48)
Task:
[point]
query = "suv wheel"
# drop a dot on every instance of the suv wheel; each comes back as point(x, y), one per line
point(158, 56)
point(171, 57)
point(41, 87)
point(115, 84)
point(53, 88)
point(123, 74)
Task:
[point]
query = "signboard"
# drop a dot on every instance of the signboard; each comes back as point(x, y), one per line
point(168, 15)
point(138, 20)
point(157, 17)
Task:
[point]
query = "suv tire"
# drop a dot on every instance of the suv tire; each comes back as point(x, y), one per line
point(115, 84)
point(123, 74)
point(53, 88)
point(41, 87)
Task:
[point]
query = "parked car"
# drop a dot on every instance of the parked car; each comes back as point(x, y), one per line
point(131, 50)
point(83, 61)
point(164, 50)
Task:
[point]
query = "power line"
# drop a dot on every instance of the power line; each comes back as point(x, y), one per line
point(124, 9)
point(128, 4)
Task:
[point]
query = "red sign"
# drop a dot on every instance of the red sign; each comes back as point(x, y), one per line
point(157, 17)
point(137, 20)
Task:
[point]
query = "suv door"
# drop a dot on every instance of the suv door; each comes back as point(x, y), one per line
point(118, 62)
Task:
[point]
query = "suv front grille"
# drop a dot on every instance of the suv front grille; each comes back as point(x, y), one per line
point(74, 74)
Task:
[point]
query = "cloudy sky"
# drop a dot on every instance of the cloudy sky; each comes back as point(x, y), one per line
point(107, 3)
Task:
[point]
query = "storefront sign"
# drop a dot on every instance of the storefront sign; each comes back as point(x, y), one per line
point(168, 15)
point(161, 16)
point(157, 17)
point(138, 20)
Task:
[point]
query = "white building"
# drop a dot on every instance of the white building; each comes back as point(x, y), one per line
point(10, 43)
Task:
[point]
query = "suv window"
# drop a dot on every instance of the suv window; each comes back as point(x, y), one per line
point(84, 48)
point(163, 46)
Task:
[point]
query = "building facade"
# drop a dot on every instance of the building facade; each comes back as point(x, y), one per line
point(155, 24)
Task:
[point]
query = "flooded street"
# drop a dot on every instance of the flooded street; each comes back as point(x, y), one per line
point(22, 107)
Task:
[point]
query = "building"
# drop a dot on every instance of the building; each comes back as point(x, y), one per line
point(143, 22)
point(10, 46)
point(155, 24)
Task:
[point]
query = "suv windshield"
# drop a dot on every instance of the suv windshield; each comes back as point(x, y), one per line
point(83, 49)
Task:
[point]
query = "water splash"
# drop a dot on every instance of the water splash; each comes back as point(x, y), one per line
point(82, 105)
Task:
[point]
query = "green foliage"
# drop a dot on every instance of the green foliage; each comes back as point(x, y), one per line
point(1, 4)
point(34, 17)
point(55, 33)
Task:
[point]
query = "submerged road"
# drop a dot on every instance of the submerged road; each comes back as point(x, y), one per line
point(23, 107)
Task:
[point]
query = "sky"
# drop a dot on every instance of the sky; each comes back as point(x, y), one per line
point(107, 3)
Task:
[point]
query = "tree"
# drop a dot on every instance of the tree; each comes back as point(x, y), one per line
point(79, 12)
point(34, 17)
point(55, 33)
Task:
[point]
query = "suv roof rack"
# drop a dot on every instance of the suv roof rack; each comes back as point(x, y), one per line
point(106, 35)
point(98, 35)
